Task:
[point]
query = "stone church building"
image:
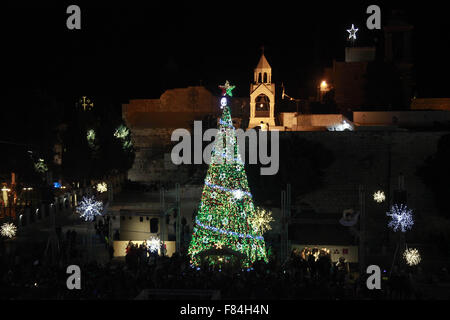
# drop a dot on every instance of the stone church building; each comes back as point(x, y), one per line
point(372, 154)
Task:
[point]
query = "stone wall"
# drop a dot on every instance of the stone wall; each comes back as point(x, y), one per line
point(349, 81)
point(431, 104)
point(152, 122)
point(377, 161)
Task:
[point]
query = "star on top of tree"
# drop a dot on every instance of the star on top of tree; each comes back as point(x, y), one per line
point(227, 89)
point(352, 32)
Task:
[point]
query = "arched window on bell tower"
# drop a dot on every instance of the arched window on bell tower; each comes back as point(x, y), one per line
point(262, 103)
point(259, 78)
point(265, 77)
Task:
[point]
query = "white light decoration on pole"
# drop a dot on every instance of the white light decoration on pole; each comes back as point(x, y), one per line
point(401, 218)
point(122, 132)
point(412, 256)
point(352, 33)
point(379, 196)
point(153, 244)
point(89, 208)
point(102, 187)
point(261, 221)
point(8, 230)
point(40, 166)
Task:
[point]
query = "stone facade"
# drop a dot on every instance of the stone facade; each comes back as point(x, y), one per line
point(376, 160)
point(152, 122)
point(431, 104)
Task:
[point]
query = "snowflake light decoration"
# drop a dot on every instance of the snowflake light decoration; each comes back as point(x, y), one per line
point(127, 144)
point(379, 196)
point(102, 187)
point(412, 256)
point(90, 136)
point(122, 132)
point(8, 230)
point(153, 244)
point(40, 166)
point(261, 220)
point(401, 218)
point(89, 208)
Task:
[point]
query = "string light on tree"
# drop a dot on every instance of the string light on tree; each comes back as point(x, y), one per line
point(238, 194)
point(226, 206)
point(412, 256)
point(379, 196)
point(89, 208)
point(223, 102)
point(401, 218)
point(352, 33)
point(8, 230)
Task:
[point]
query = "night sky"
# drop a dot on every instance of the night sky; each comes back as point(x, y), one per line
point(138, 51)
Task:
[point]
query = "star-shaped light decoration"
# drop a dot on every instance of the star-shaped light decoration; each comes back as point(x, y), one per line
point(352, 33)
point(218, 245)
point(227, 89)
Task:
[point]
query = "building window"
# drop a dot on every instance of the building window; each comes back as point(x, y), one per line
point(141, 219)
point(265, 77)
point(154, 225)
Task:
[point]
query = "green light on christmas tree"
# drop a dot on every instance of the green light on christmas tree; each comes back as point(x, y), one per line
point(226, 210)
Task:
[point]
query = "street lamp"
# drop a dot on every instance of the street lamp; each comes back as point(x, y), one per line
point(284, 95)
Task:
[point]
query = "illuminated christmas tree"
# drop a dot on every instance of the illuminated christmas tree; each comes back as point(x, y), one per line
point(226, 211)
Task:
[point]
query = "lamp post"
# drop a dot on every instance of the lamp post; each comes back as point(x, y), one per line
point(284, 95)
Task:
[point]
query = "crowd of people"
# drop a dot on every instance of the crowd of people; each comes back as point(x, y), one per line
point(36, 276)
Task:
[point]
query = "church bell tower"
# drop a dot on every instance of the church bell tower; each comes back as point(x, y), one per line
point(262, 96)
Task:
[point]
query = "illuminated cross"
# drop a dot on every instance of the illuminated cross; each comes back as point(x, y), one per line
point(86, 102)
